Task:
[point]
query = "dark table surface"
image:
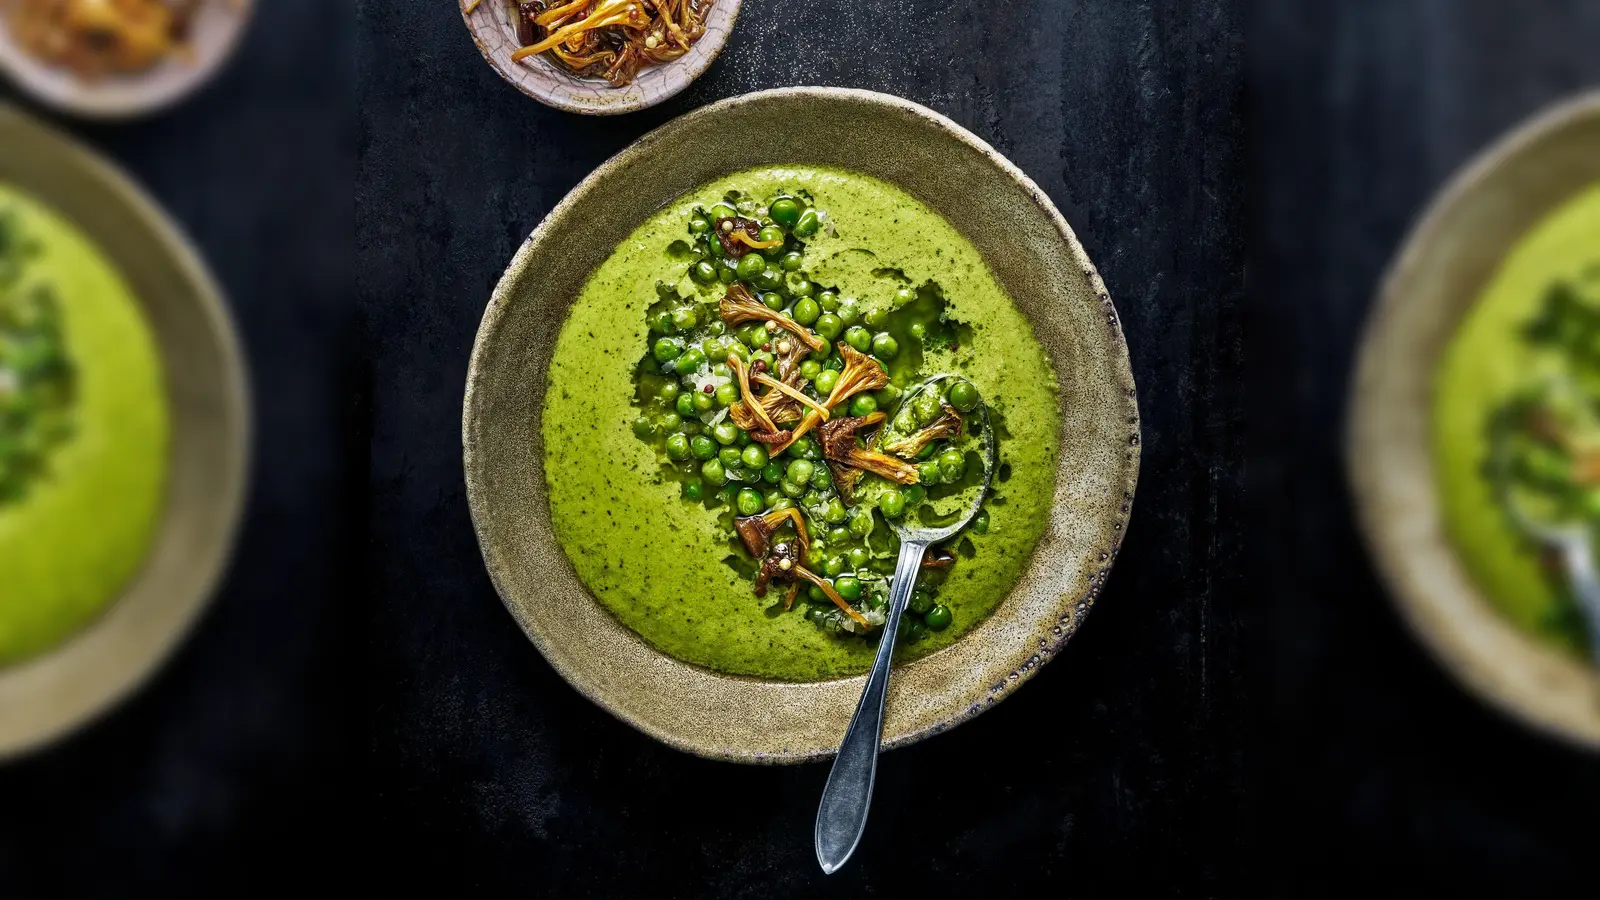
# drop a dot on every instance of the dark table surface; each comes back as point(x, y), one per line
point(1241, 716)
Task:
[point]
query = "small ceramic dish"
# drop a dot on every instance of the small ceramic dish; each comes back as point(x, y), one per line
point(496, 36)
point(214, 34)
point(1440, 272)
point(44, 698)
point(1036, 258)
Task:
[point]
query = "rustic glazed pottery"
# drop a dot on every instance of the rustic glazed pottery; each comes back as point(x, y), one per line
point(1440, 272)
point(1036, 258)
point(45, 697)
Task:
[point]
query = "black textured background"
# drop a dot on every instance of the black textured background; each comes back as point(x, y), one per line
point(1121, 764)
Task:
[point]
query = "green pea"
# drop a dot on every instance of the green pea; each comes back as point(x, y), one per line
point(920, 603)
point(828, 300)
point(938, 618)
point(825, 381)
point(785, 211)
point(678, 446)
point(703, 272)
point(703, 447)
point(725, 432)
point(800, 471)
point(750, 265)
point(925, 407)
point(775, 499)
point(859, 338)
point(771, 233)
point(764, 356)
point(668, 392)
point(661, 323)
point(713, 471)
point(912, 630)
point(848, 587)
point(918, 330)
point(791, 261)
point(758, 337)
point(849, 312)
point(815, 595)
point(726, 394)
point(772, 473)
point(721, 370)
point(670, 422)
point(877, 317)
point(838, 536)
point(773, 301)
point(806, 311)
point(810, 369)
point(811, 498)
point(953, 463)
point(729, 456)
point(745, 439)
point(791, 490)
point(822, 479)
point(926, 452)
point(884, 346)
point(892, 504)
point(693, 489)
point(702, 402)
point(963, 395)
point(723, 211)
point(643, 428)
point(769, 279)
point(914, 494)
point(863, 405)
point(690, 361)
point(904, 295)
point(980, 522)
point(699, 225)
point(754, 457)
point(829, 325)
point(798, 285)
point(807, 224)
point(667, 349)
point(833, 567)
point(685, 405)
point(860, 559)
point(928, 473)
point(685, 318)
point(835, 513)
point(861, 521)
point(727, 270)
point(749, 502)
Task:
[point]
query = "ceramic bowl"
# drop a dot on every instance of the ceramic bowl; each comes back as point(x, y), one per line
point(43, 698)
point(492, 30)
point(215, 33)
point(1036, 258)
point(1442, 268)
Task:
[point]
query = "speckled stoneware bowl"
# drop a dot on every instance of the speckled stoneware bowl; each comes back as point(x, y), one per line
point(44, 698)
point(1440, 272)
point(1031, 249)
point(492, 30)
point(213, 36)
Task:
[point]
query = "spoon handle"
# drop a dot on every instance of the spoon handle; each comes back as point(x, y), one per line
point(843, 814)
point(1578, 555)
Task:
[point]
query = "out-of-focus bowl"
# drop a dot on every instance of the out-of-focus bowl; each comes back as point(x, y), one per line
point(48, 696)
point(492, 30)
point(1036, 258)
point(1441, 271)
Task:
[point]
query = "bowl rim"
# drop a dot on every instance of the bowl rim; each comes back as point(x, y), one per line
point(34, 78)
point(86, 706)
point(1365, 474)
point(687, 68)
point(1117, 363)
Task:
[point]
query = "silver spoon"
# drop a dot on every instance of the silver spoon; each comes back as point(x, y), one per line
point(842, 818)
point(1571, 543)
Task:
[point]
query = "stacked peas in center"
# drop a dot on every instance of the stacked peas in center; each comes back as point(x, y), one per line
point(686, 388)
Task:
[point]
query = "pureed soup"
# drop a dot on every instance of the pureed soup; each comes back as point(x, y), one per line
point(1517, 418)
point(732, 421)
point(83, 430)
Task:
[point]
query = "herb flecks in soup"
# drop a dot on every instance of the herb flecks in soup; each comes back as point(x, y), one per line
point(1517, 420)
point(83, 430)
point(732, 424)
